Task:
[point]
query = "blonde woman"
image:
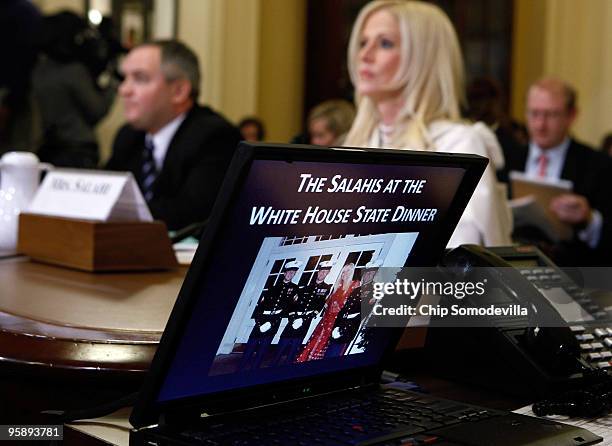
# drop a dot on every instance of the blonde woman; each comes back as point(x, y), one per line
point(405, 63)
point(329, 122)
point(344, 286)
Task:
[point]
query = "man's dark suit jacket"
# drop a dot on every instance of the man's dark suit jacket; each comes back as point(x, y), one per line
point(591, 173)
point(195, 164)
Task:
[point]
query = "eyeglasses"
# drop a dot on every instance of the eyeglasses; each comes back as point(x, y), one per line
point(546, 114)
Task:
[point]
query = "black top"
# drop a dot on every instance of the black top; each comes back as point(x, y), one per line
point(272, 307)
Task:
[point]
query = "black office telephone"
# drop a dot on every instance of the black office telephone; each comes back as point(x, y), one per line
point(517, 356)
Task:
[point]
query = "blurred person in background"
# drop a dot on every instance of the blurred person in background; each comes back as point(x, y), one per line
point(252, 129)
point(606, 144)
point(555, 154)
point(65, 86)
point(486, 103)
point(177, 150)
point(19, 26)
point(330, 121)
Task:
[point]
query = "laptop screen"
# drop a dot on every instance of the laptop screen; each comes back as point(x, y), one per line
point(297, 236)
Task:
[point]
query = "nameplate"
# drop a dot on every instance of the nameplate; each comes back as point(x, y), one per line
point(90, 195)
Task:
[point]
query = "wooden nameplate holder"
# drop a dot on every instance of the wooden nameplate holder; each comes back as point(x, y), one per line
point(95, 246)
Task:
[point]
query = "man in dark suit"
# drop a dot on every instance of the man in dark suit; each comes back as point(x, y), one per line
point(177, 150)
point(271, 308)
point(552, 154)
point(302, 310)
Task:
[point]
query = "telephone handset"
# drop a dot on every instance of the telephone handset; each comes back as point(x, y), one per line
point(531, 359)
point(555, 347)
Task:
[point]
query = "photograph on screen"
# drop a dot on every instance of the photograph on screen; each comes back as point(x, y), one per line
point(302, 299)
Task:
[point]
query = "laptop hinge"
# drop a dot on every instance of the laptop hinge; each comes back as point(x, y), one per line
point(185, 417)
point(176, 417)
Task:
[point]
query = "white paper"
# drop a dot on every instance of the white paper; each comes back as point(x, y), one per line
point(90, 195)
point(531, 204)
point(565, 185)
point(185, 250)
point(527, 211)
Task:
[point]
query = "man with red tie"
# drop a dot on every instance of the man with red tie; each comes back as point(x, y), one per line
point(553, 154)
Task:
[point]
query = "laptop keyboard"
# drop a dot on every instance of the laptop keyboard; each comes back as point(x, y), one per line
point(388, 417)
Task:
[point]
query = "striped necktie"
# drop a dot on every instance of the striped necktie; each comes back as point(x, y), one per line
point(149, 171)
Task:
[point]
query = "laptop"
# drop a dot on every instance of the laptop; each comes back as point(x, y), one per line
point(291, 239)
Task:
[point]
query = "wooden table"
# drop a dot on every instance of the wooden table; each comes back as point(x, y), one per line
point(70, 339)
point(60, 327)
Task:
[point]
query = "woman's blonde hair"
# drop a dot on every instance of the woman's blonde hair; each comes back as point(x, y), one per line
point(430, 75)
point(340, 281)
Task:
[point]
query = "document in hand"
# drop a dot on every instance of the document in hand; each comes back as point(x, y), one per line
point(531, 197)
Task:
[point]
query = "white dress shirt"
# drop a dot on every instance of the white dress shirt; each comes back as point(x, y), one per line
point(162, 138)
point(556, 159)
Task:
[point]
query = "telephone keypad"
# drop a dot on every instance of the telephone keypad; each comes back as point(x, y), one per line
point(595, 342)
point(600, 332)
point(599, 352)
point(545, 278)
point(593, 334)
point(584, 337)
